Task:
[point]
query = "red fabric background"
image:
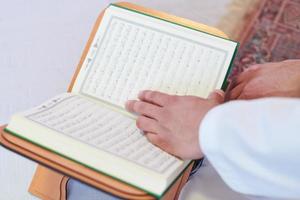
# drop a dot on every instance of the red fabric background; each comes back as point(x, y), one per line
point(271, 33)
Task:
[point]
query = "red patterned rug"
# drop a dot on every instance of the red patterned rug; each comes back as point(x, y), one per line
point(271, 33)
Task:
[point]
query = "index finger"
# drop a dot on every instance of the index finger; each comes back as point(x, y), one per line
point(154, 97)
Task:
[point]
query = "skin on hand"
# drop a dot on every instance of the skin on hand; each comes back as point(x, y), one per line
point(172, 122)
point(280, 79)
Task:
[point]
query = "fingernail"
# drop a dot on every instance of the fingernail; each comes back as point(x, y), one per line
point(127, 103)
point(140, 93)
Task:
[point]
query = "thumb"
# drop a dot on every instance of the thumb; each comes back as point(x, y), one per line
point(217, 96)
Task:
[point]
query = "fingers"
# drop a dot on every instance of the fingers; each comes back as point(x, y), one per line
point(237, 91)
point(217, 95)
point(149, 125)
point(143, 108)
point(231, 85)
point(246, 75)
point(238, 84)
point(158, 141)
point(153, 138)
point(154, 97)
point(252, 68)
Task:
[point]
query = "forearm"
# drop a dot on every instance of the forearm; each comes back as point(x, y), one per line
point(255, 145)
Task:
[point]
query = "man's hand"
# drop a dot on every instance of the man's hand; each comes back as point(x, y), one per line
point(172, 122)
point(265, 80)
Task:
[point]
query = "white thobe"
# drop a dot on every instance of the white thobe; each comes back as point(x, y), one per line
point(255, 145)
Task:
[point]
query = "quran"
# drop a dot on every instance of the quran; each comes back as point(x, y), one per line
point(129, 52)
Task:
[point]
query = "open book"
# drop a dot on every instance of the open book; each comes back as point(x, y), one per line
point(130, 52)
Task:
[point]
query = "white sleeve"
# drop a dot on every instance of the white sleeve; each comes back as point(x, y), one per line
point(255, 145)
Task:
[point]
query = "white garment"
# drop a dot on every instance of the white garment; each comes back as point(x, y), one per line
point(255, 145)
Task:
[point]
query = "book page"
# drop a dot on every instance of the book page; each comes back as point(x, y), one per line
point(101, 128)
point(132, 52)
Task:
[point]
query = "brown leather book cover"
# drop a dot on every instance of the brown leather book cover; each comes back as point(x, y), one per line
point(50, 182)
point(47, 183)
